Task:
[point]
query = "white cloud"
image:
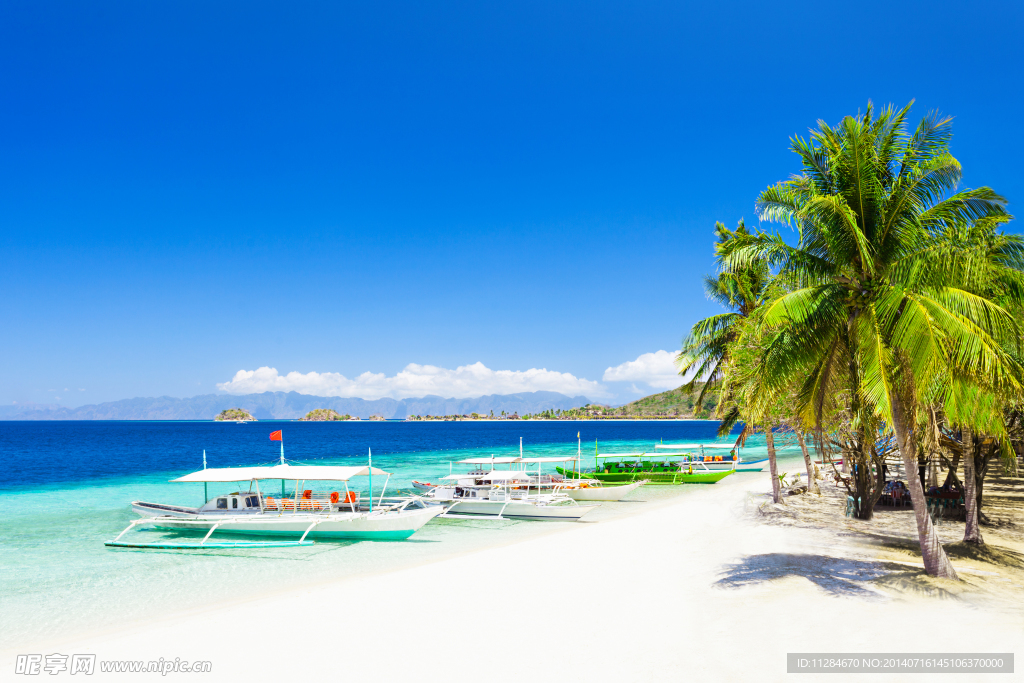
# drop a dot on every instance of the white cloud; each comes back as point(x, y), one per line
point(414, 381)
point(657, 370)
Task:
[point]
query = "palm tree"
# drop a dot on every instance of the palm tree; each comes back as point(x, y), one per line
point(740, 291)
point(705, 353)
point(874, 318)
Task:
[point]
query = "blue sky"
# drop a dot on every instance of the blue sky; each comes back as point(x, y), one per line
point(189, 190)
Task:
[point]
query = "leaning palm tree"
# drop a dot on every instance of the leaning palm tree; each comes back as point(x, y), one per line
point(874, 318)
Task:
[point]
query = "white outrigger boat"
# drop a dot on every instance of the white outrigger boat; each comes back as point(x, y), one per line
point(595, 490)
point(502, 494)
point(305, 513)
point(579, 487)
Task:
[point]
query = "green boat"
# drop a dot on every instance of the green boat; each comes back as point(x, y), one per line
point(622, 468)
point(652, 477)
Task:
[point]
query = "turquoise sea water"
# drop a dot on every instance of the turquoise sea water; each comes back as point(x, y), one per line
point(72, 484)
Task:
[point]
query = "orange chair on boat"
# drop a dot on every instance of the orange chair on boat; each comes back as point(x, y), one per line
point(270, 503)
point(307, 494)
point(334, 497)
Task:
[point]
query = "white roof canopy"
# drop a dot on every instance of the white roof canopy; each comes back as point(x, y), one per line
point(621, 455)
point(550, 459)
point(496, 475)
point(290, 472)
point(693, 445)
point(505, 475)
point(488, 461)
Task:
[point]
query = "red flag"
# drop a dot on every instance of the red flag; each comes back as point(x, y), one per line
point(276, 436)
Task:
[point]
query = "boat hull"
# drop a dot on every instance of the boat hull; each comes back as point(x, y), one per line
point(660, 478)
point(602, 493)
point(518, 510)
point(387, 526)
point(740, 465)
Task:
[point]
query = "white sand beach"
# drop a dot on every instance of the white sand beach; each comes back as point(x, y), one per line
point(694, 589)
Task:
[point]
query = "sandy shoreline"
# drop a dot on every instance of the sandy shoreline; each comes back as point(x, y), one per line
point(695, 588)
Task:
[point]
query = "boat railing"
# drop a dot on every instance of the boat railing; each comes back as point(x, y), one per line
point(313, 502)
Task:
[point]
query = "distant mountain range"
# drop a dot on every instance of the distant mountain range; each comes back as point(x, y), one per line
point(283, 406)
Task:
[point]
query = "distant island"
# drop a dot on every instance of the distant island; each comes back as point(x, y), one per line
point(234, 415)
point(674, 404)
point(324, 415)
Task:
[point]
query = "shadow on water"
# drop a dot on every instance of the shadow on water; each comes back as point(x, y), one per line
point(835, 576)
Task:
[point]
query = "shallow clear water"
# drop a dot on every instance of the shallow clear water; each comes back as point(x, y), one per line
point(72, 484)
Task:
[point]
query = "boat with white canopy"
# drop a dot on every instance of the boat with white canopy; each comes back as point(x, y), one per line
point(485, 491)
point(313, 512)
point(579, 486)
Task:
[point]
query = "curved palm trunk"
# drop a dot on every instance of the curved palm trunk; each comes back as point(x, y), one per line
point(975, 467)
point(972, 532)
point(812, 483)
point(776, 485)
point(936, 562)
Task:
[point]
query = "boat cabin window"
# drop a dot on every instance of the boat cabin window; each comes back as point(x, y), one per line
point(234, 502)
point(252, 502)
point(222, 503)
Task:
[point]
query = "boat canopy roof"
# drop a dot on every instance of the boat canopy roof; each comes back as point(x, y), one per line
point(693, 445)
point(290, 472)
point(487, 461)
point(496, 475)
point(506, 475)
point(511, 460)
point(548, 459)
point(644, 455)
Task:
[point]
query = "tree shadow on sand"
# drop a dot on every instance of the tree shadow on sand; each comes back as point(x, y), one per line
point(835, 576)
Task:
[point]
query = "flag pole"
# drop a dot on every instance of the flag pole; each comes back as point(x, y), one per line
point(370, 461)
point(206, 494)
